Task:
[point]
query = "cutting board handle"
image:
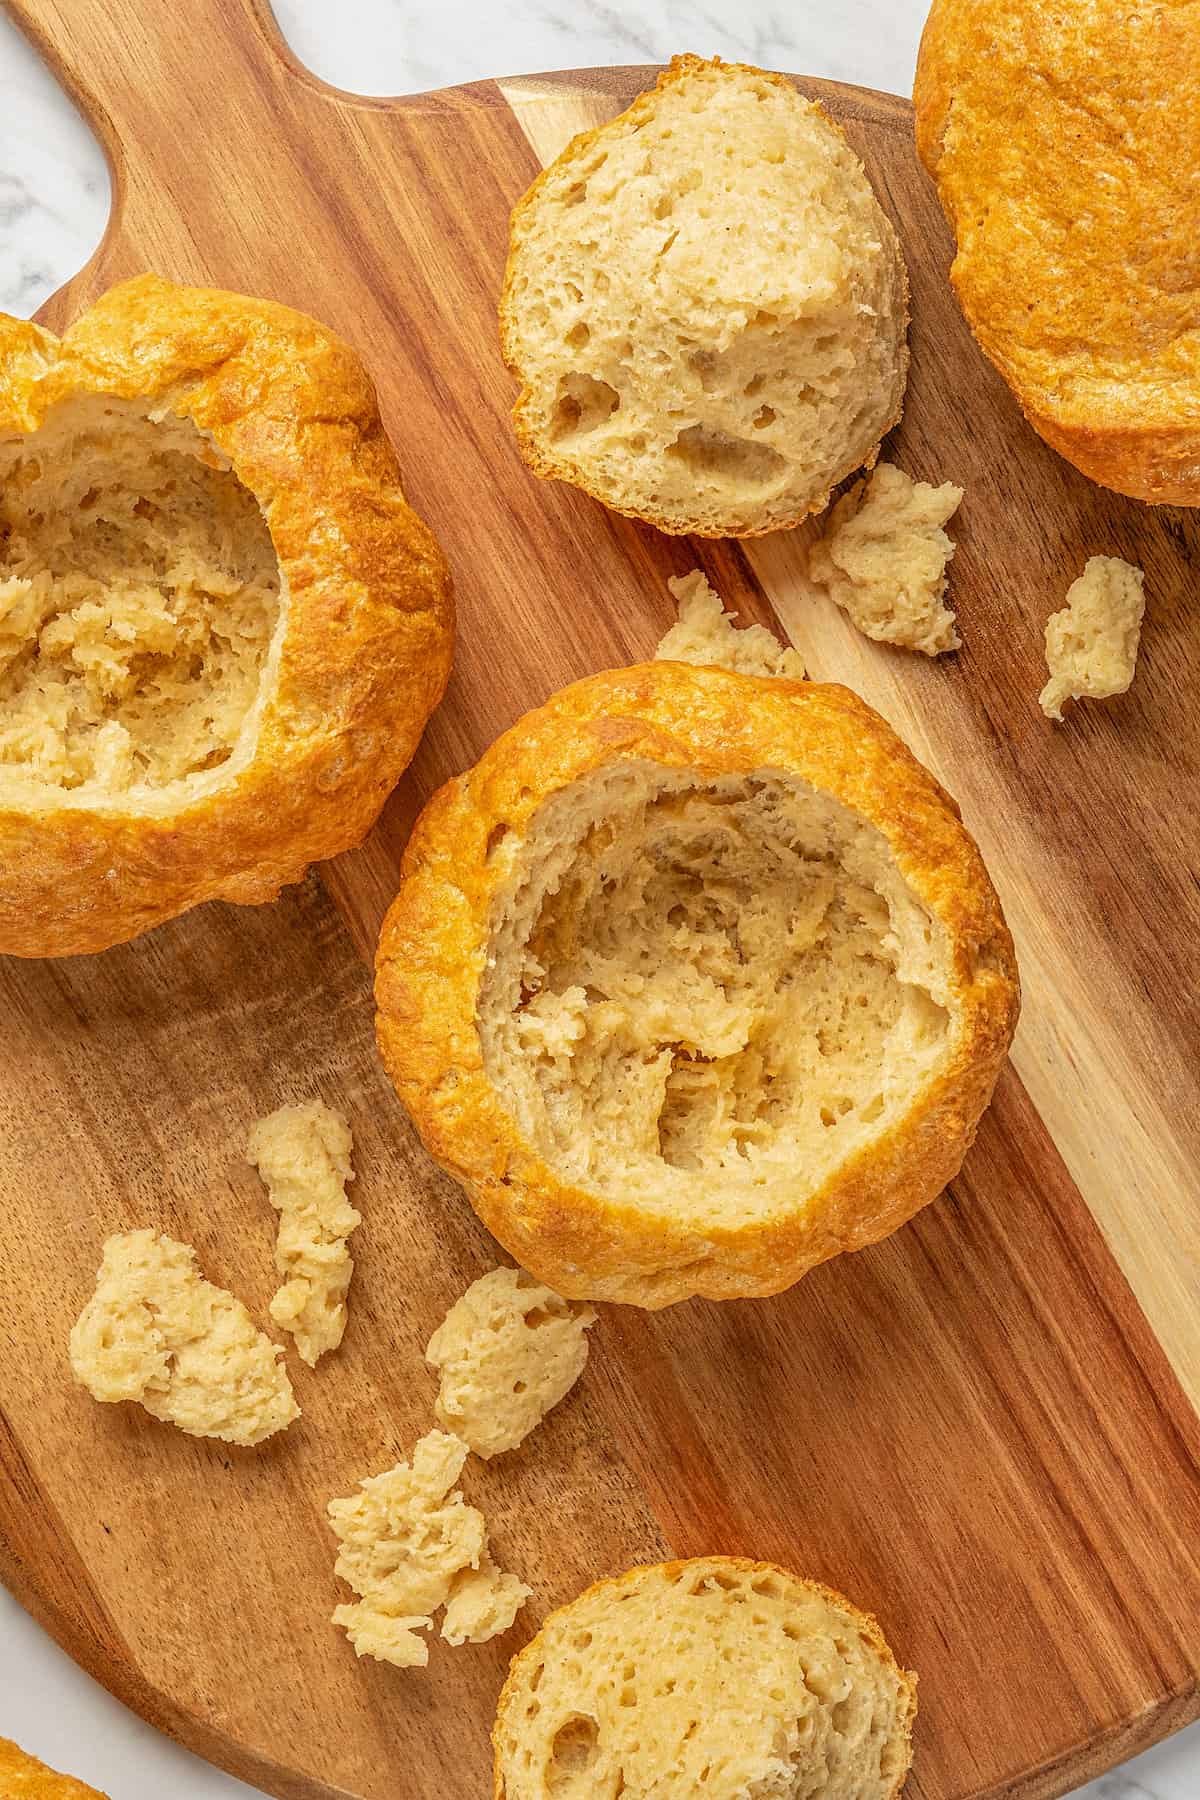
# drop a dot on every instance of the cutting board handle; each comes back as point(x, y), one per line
point(126, 62)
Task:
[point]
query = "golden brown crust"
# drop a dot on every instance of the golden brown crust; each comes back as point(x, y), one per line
point(867, 1624)
point(368, 639)
point(433, 945)
point(1063, 141)
point(25, 1778)
point(554, 468)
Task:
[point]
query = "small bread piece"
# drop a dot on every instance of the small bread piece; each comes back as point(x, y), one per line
point(707, 636)
point(694, 981)
point(1092, 644)
point(715, 1679)
point(303, 1155)
point(883, 556)
point(155, 1331)
point(23, 1777)
point(507, 1352)
point(222, 628)
point(1064, 142)
point(409, 1544)
point(706, 307)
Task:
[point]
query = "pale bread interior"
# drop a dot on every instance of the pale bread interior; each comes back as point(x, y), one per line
point(709, 1681)
point(707, 308)
point(703, 994)
point(139, 595)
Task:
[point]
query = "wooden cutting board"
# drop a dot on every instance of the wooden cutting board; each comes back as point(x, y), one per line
point(986, 1428)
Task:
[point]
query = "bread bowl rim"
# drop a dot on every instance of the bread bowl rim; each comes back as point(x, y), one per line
point(434, 942)
point(671, 1570)
point(549, 467)
point(364, 590)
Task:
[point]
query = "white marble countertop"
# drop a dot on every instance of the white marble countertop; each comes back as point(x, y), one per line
point(53, 206)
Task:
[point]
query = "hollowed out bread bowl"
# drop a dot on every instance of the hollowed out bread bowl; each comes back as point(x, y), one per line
point(695, 980)
point(706, 307)
point(222, 628)
point(714, 1679)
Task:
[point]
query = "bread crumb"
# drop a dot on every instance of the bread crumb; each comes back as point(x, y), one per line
point(410, 1544)
point(706, 634)
point(303, 1155)
point(1092, 644)
point(507, 1352)
point(156, 1332)
point(883, 557)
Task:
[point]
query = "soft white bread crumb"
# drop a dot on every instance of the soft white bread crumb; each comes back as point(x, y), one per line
point(706, 307)
point(155, 1331)
point(507, 1352)
point(410, 1544)
point(706, 634)
point(303, 1155)
point(1092, 644)
point(708, 1680)
point(883, 557)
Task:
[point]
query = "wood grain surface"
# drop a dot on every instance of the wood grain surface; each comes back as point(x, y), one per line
point(986, 1428)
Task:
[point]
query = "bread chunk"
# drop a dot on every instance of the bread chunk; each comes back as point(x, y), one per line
point(303, 1155)
point(716, 1679)
point(409, 1545)
point(155, 1331)
point(883, 557)
point(1092, 644)
point(705, 634)
point(507, 1352)
point(23, 1777)
point(705, 305)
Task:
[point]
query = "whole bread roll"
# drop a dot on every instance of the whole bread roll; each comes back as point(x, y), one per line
point(694, 981)
point(1064, 141)
point(706, 307)
point(222, 627)
point(714, 1679)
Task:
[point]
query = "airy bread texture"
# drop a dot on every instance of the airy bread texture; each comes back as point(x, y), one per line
point(706, 307)
point(707, 636)
point(1064, 140)
point(409, 1545)
point(716, 1679)
point(1092, 644)
point(303, 1155)
point(222, 628)
point(507, 1352)
point(155, 1331)
point(694, 981)
point(883, 555)
point(25, 1778)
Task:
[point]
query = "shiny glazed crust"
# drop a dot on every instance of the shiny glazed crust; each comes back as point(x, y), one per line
point(617, 1585)
point(25, 1778)
point(434, 944)
point(368, 638)
point(1062, 141)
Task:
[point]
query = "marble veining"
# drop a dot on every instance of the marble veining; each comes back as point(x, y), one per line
point(54, 200)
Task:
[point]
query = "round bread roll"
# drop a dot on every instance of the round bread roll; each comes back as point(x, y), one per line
point(715, 1679)
point(1064, 142)
point(695, 980)
point(706, 307)
point(222, 628)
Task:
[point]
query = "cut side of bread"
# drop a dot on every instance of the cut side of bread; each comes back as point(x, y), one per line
point(694, 981)
point(716, 1679)
point(706, 307)
point(1064, 140)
